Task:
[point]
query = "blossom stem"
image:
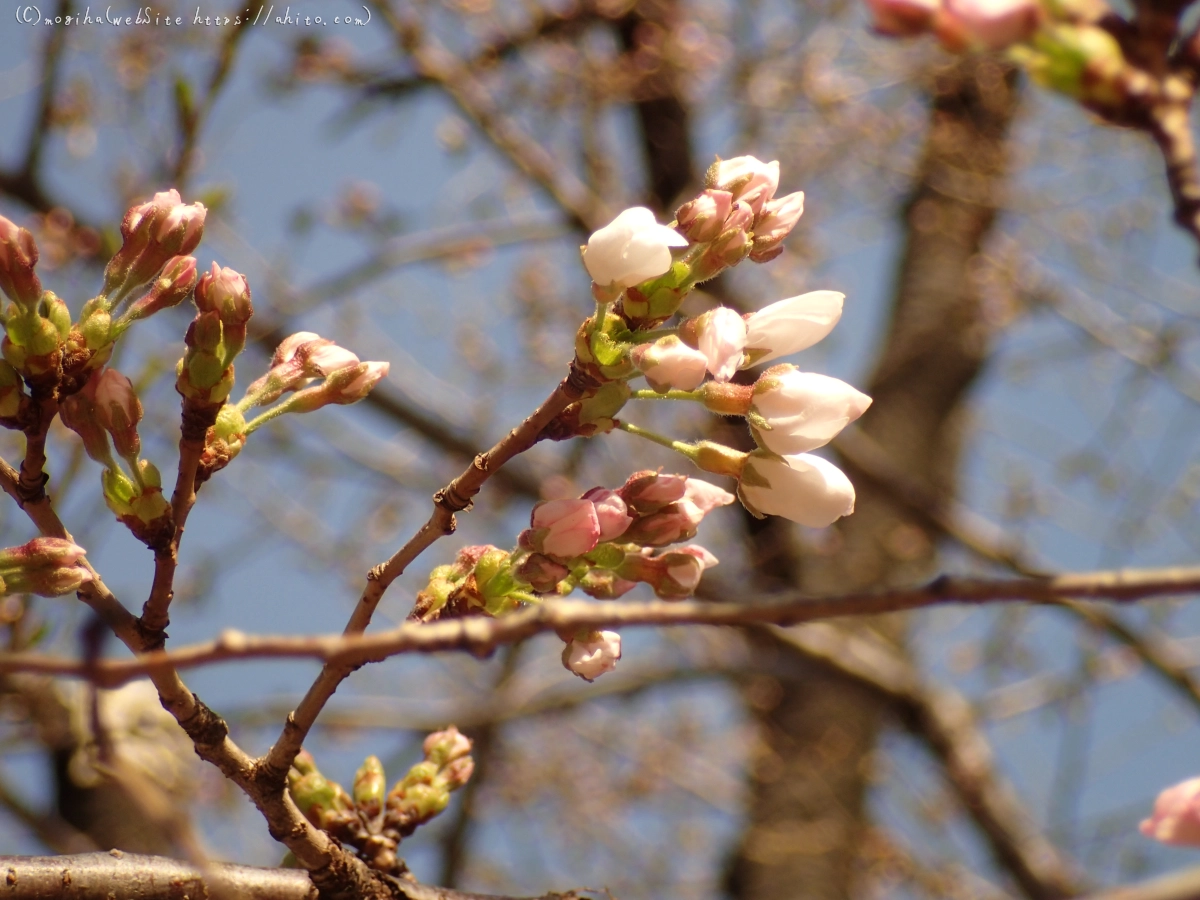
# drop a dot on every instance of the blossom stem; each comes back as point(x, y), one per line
point(669, 395)
point(688, 450)
point(264, 418)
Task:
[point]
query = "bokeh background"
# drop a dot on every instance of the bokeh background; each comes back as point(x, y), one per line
point(1018, 302)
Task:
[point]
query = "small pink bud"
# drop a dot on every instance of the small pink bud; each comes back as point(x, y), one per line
point(325, 357)
point(748, 179)
point(991, 24)
point(458, 773)
point(176, 281)
point(603, 584)
point(360, 380)
point(593, 655)
point(703, 219)
point(78, 413)
point(683, 570)
point(1176, 816)
point(443, 747)
point(721, 336)
point(903, 18)
point(224, 291)
point(542, 573)
point(669, 364)
point(153, 232)
point(564, 528)
point(649, 491)
point(42, 552)
point(778, 219)
point(676, 522)
point(118, 409)
point(288, 347)
point(18, 256)
point(611, 512)
point(705, 496)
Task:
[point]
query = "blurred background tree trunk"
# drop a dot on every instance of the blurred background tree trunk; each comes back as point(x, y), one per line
point(817, 732)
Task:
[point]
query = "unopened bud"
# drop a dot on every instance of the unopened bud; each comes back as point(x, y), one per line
point(225, 292)
point(542, 573)
point(117, 409)
point(153, 232)
point(173, 285)
point(370, 786)
point(443, 747)
point(18, 256)
point(78, 412)
point(703, 219)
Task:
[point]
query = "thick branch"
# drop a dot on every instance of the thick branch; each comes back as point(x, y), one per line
point(102, 876)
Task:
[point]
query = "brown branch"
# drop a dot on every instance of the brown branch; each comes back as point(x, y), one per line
point(944, 720)
point(436, 63)
point(866, 457)
point(480, 635)
point(1170, 126)
point(1181, 885)
point(456, 496)
point(102, 876)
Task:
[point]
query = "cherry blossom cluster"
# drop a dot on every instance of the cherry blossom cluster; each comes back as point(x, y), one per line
point(371, 818)
point(605, 543)
point(55, 366)
point(1063, 44)
point(641, 273)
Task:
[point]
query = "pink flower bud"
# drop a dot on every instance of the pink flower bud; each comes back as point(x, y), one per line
point(78, 413)
point(748, 179)
point(611, 512)
point(721, 335)
point(648, 491)
point(42, 552)
point(323, 358)
point(18, 256)
point(288, 347)
point(593, 655)
point(180, 230)
point(153, 232)
point(804, 488)
point(990, 24)
point(778, 219)
point(359, 381)
point(669, 364)
point(224, 291)
point(683, 569)
point(676, 522)
point(703, 219)
point(603, 584)
point(903, 18)
point(458, 773)
point(564, 528)
point(794, 411)
point(542, 573)
point(444, 747)
point(172, 287)
point(118, 409)
point(1176, 816)
point(705, 496)
point(630, 249)
point(791, 325)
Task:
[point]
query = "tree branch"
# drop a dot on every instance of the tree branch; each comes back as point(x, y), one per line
point(455, 497)
point(481, 635)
